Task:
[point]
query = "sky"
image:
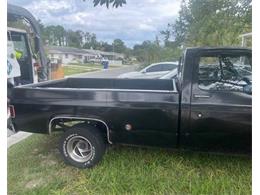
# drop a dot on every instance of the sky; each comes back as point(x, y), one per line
point(135, 22)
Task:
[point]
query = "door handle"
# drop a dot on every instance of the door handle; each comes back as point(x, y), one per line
point(201, 96)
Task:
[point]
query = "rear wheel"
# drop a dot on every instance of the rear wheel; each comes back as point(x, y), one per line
point(82, 146)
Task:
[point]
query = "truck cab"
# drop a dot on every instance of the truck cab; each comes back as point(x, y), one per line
point(216, 98)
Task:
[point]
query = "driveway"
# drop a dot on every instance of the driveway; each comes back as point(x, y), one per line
point(13, 138)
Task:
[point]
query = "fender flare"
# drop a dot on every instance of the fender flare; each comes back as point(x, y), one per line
point(80, 118)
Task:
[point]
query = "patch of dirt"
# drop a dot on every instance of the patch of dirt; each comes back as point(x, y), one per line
point(34, 183)
point(35, 151)
point(48, 162)
point(55, 151)
point(42, 156)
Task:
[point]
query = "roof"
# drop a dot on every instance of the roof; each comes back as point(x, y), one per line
point(57, 49)
point(16, 30)
point(195, 49)
point(77, 51)
point(14, 12)
point(217, 48)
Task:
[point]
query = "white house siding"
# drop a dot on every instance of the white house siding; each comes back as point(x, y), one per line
point(69, 55)
point(115, 62)
point(70, 58)
point(67, 59)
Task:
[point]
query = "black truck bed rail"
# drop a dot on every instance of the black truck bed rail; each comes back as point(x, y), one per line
point(107, 84)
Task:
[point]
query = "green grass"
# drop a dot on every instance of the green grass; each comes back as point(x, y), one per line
point(97, 65)
point(35, 167)
point(83, 68)
point(73, 69)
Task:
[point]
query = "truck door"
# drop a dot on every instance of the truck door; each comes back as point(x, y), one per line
point(220, 116)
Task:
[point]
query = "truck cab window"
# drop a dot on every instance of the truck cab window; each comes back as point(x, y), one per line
point(225, 72)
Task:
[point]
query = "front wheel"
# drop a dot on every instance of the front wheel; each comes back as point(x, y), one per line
point(82, 146)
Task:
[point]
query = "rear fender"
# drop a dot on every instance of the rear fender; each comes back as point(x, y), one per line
point(52, 120)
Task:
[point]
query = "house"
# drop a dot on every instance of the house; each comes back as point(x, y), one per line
point(68, 55)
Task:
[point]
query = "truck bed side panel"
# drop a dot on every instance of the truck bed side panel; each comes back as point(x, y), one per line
point(152, 115)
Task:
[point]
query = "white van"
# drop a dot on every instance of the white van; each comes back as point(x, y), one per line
point(18, 42)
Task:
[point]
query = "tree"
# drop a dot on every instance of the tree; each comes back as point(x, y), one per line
point(151, 52)
point(55, 35)
point(80, 35)
point(115, 3)
point(106, 46)
point(211, 22)
point(60, 34)
point(119, 46)
point(91, 41)
point(73, 39)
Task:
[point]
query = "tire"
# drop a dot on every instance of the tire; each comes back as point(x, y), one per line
point(82, 146)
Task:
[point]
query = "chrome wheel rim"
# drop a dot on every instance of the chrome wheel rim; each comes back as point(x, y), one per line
point(79, 149)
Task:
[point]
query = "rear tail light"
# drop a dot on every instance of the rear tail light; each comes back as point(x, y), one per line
point(11, 111)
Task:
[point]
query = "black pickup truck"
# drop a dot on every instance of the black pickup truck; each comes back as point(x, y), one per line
point(207, 107)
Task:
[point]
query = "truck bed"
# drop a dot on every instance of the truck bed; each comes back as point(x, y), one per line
point(150, 106)
point(107, 84)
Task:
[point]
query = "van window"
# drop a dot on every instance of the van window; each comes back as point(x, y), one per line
point(8, 36)
point(19, 42)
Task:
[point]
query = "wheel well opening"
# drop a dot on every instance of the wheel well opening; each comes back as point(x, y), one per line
point(62, 124)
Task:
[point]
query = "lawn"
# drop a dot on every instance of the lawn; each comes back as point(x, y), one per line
point(83, 68)
point(35, 167)
point(75, 69)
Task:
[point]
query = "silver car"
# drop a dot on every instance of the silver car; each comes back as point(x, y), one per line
point(171, 75)
point(152, 71)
